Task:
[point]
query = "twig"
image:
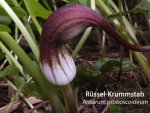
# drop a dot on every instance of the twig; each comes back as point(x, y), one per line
point(38, 106)
point(14, 107)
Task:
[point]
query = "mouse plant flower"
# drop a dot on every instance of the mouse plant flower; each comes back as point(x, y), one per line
point(63, 25)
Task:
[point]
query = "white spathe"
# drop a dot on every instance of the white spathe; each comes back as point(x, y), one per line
point(62, 71)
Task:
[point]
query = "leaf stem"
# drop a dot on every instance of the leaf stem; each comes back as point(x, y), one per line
point(46, 4)
point(143, 63)
point(37, 24)
point(69, 98)
point(132, 38)
point(28, 26)
point(21, 27)
point(26, 22)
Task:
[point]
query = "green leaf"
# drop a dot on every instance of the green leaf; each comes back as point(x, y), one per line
point(9, 2)
point(5, 20)
point(111, 65)
point(85, 2)
point(85, 73)
point(9, 70)
point(2, 55)
point(19, 12)
point(108, 65)
point(31, 88)
point(4, 28)
point(73, 1)
point(104, 65)
point(115, 108)
point(143, 6)
point(127, 65)
point(3, 12)
point(36, 9)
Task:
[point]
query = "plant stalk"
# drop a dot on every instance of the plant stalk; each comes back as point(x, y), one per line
point(69, 98)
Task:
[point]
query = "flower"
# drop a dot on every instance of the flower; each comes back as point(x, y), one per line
point(63, 25)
